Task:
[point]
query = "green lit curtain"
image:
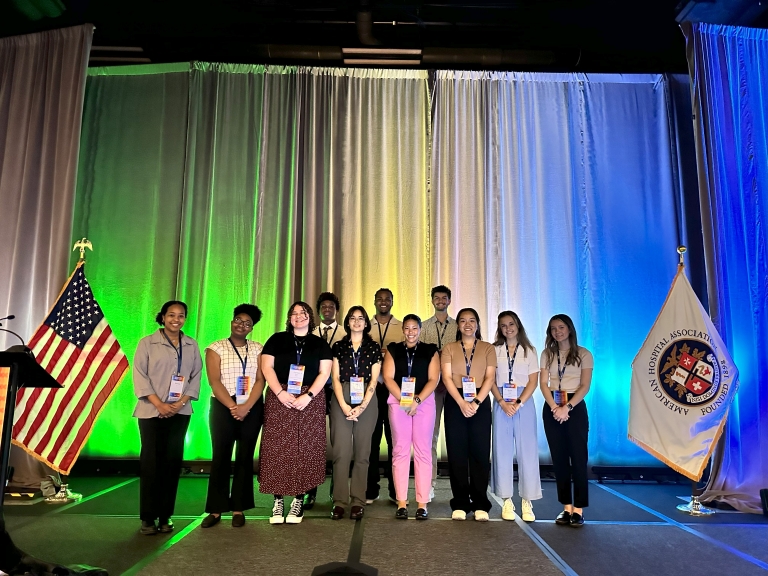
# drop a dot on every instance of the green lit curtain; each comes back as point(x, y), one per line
point(219, 184)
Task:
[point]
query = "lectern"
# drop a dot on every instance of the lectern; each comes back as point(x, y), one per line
point(24, 372)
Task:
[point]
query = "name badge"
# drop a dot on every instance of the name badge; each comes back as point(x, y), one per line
point(295, 379)
point(243, 389)
point(177, 388)
point(356, 389)
point(468, 387)
point(561, 397)
point(407, 391)
point(510, 392)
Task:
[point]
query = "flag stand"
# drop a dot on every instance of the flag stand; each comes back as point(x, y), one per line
point(695, 507)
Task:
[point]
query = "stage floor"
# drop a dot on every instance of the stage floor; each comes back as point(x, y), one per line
point(631, 529)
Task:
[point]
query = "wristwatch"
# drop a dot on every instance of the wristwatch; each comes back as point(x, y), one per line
point(476, 401)
point(570, 406)
point(309, 393)
point(518, 401)
point(417, 399)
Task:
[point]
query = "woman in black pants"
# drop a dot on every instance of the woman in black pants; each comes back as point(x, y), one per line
point(566, 374)
point(469, 372)
point(237, 412)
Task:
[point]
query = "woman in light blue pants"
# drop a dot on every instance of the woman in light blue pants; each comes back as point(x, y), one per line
point(514, 418)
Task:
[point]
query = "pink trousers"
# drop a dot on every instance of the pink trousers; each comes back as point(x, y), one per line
point(413, 431)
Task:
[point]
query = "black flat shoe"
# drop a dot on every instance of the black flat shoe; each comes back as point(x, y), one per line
point(165, 526)
point(238, 520)
point(357, 512)
point(563, 519)
point(577, 520)
point(148, 528)
point(309, 501)
point(402, 514)
point(337, 513)
point(209, 521)
point(422, 514)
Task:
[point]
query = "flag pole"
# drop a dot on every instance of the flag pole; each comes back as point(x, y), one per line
point(694, 507)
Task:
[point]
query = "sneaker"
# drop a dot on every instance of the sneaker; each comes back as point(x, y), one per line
point(371, 500)
point(508, 511)
point(528, 511)
point(481, 515)
point(296, 513)
point(459, 515)
point(431, 493)
point(277, 512)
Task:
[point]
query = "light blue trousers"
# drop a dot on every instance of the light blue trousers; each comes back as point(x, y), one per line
point(515, 437)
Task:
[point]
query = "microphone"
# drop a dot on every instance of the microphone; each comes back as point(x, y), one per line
point(11, 317)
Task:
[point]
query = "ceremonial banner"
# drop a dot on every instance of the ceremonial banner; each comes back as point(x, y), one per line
point(76, 346)
point(683, 382)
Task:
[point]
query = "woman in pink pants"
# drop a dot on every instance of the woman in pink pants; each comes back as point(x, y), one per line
point(411, 371)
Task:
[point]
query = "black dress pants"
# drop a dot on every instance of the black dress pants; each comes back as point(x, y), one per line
point(468, 441)
point(568, 447)
point(162, 450)
point(225, 433)
point(382, 424)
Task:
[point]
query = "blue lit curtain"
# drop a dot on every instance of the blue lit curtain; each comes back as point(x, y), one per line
point(730, 99)
point(561, 193)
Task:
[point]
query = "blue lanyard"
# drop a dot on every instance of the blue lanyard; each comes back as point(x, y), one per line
point(560, 373)
point(178, 352)
point(469, 362)
point(410, 357)
point(243, 362)
point(299, 350)
point(511, 361)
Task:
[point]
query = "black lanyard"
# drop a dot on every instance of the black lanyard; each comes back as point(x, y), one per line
point(560, 373)
point(299, 350)
point(243, 362)
point(381, 338)
point(178, 352)
point(356, 356)
point(327, 329)
point(410, 357)
point(439, 337)
point(468, 362)
point(511, 361)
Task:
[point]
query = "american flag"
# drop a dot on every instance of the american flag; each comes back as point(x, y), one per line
point(76, 346)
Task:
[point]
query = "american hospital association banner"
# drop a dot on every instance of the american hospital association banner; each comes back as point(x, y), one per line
point(683, 382)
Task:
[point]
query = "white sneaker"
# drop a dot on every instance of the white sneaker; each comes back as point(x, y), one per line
point(277, 512)
point(481, 515)
point(459, 515)
point(431, 493)
point(528, 511)
point(296, 513)
point(508, 510)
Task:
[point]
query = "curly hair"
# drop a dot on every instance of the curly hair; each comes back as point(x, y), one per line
point(308, 309)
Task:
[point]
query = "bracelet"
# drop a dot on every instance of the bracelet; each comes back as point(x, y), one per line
point(281, 391)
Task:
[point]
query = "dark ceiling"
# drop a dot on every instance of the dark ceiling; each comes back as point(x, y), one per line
point(561, 35)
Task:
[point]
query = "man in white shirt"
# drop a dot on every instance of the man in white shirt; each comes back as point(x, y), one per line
point(439, 329)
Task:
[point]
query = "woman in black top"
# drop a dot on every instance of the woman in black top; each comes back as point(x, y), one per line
point(356, 364)
point(296, 365)
point(411, 371)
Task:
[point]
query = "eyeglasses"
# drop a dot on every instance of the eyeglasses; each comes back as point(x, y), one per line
point(243, 323)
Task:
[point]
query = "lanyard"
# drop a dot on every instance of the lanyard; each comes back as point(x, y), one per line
point(178, 352)
point(560, 373)
point(469, 362)
point(326, 330)
point(299, 350)
point(410, 357)
point(381, 338)
point(511, 360)
point(440, 337)
point(356, 356)
point(243, 362)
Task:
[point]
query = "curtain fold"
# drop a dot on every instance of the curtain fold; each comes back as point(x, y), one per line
point(42, 81)
point(556, 193)
point(730, 97)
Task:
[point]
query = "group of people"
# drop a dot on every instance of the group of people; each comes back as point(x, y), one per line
point(371, 376)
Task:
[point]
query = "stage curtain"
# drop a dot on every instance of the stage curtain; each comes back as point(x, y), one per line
point(560, 193)
point(730, 98)
point(42, 80)
point(220, 184)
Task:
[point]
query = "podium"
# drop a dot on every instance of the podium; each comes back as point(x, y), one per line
point(25, 372)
